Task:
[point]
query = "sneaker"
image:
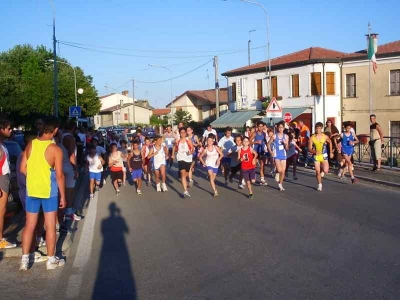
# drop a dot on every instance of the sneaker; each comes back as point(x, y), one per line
point(164, 187)
point(191, 182)
point(319, 187)
point(37, 257)
point(186, 194)
point(158, 187)
point(322, 174)
point(91, 196)
point(241, 186)
point(139, 192)
point(263, 182)
point(281, 187)
point(40, 242)
point(215, 193)
point(118, 192)
point(104, 182)
point(54, 262)
point(24, 263)
point(294, 177)
point(73, 216)
point(353, 180)
point(251, 196)
point(277, 177)
point(4, 244)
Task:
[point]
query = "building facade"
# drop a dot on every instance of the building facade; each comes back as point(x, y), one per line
point(127, 113)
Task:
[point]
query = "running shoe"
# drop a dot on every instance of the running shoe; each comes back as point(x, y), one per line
point(40, 242)
point(5, 244)
point(91, 196)
point(322, 174)
point(277, 177)
point(164, 187)
point(281, 187)
point(139, 192)
point(186, 194)
point(241, 186)
point(191, 182)
point(294, 177)
point(118, 192)
point(340, 173)
point(215, 193)
point(73, 216)
point(24, 263)
point(54, 262)
point(263, 182)
point(37, 257)
point(353, 180)
point(251, 196)
point(319, 187)
point(158, 187)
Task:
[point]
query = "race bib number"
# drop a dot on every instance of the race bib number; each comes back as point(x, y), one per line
point(281, 147)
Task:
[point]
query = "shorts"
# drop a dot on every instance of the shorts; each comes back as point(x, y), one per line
point(249, 175)
point(146, 161)
point(214, 170)
point(116, 175)
point(376, 149)
point(226, 160)
point(5, 183)
point(184, 165)
point(33, 204)
point(157, 167)
point(137, 174)
point(321, 157)
point(69, 179)
point(348, 152)
point(95, 176)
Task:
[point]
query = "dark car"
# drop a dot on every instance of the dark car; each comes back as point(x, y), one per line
point(149, 132)
point(14, 150)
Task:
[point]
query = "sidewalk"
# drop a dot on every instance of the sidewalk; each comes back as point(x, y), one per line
point(15, 225)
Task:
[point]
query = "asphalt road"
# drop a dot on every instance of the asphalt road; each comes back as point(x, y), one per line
point(342, 243)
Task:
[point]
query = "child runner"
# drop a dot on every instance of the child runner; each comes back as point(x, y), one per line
point(247, 156)
point(319, 141)
point(195, 141)
point(235, 163)
point(292, 154)
point(135, 165)
point(226, 143)
point(169, 138)
point(116, 164)
point(147, 165)
point(213, 160)
point(159, 154)
point(281, 142)
point(124, 150)
point(258, 141)
point(184, 155)
point(348, 142)
point(95, 166)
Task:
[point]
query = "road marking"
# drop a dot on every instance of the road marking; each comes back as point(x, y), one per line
point(84, 249)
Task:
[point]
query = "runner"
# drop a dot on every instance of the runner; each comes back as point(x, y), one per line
point(281, 142)
point(213, 160)
point(147, 161)
point(135, 164)
point(159, 154)
point(124, 151)
point(248, 157)
point(292, 154)
point(270, 155)
point(207, 132)
point(95, 167)
point(235, 163)
point(115, 165)
point(226, 143)
point(348, 142)
point(258, 140)
point(195, 141)
point(319, 141)
point(42, 165)
point(184, 155)
point(169, 138)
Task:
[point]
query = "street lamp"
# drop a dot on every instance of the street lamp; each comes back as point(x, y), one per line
point(172, 100)
point(248, 45)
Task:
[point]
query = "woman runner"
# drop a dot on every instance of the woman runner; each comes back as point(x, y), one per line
point(348, 142)
point(159, 153)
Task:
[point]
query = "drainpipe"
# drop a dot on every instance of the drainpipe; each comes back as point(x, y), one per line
point(341, 94)
point(323, 93)
point(227, 88)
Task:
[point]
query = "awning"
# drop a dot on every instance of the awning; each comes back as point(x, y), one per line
point(295, 111)
point(235, 119)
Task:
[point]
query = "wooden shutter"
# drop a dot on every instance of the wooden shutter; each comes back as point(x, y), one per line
point(330, 83)
point(295, 86)
point(125, 117)
point(234, 92)
point(350, 85)
point(395, 82)
point(316, 83)
point(259, 89)
point(274, 86)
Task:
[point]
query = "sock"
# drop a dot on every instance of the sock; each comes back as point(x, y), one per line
point(52, 259)
point(25, 256)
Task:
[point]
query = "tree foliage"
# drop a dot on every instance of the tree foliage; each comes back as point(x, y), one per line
point(26, 85)
point(157, 120)
point(182, 116)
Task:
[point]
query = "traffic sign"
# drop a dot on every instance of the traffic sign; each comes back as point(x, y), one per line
point(273, 109)
point(75, 111)
point(287, 117)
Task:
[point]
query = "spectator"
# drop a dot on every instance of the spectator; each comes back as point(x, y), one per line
point(304, 138)
point(331, 128)
point(376, 143)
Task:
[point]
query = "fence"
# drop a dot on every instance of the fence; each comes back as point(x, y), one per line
point(390, 150)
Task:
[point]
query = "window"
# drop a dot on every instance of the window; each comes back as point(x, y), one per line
point(295, 86)
point(395, 83)
point(125, 117)
point(395, 132)
point(274, 86)
point(330, 83)
point(316, 83)
point(234, 92)
point(350, 85)
point(259, 89)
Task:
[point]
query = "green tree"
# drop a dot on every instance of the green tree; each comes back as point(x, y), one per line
point(182, 116)
point(156, 121)
point(26, 85)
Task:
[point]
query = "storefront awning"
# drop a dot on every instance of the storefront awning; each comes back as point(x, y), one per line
point(295, 111)
point(236, 119)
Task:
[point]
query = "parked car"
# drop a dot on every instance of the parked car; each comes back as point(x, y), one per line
point(102, 131)
point(14, 150)
point(149, 132)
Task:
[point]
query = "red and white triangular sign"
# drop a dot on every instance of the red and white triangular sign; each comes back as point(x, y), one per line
point(274, 106)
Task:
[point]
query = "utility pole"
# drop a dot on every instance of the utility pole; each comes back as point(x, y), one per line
point(133, 96)
point(248, 46)
point(55, 83)
point(216, 87)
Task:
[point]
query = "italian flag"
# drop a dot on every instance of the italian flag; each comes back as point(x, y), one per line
point(372, 49)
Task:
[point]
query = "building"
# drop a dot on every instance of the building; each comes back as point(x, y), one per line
point(385, 89)
point(161, 112)
point(306, 83)
point(200, 104)
point(114, 99)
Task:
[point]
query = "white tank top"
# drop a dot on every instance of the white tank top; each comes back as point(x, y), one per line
point(159, 158)
point(94, 162)
point(183, 148)
point(212, 157)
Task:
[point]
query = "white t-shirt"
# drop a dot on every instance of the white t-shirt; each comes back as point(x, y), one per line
point(183, 148)
point(94, 162)
point(206, 133)
point(225, 144)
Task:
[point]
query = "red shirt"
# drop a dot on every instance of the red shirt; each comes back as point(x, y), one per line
point(247, 155)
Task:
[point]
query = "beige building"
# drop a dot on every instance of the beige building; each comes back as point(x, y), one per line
point(127, 113)
point(385, 90)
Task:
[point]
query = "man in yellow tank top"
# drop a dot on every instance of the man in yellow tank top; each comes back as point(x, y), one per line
point(42, 165)
point(317, 146)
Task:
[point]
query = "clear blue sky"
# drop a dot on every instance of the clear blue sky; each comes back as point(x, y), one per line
point(198, 29)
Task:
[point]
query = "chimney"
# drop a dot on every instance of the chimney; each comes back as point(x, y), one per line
point(125, 93)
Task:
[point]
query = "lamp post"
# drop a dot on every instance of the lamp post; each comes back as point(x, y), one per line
point(248, 45)
point(76, 90)
point(172, 100)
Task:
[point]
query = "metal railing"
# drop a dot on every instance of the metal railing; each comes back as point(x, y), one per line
point(390, 150)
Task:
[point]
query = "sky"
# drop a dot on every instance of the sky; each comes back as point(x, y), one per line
point(116, 40)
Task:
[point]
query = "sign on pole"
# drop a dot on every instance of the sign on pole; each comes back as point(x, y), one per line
point(273, 109)
point(75, 111)
point(287, 117)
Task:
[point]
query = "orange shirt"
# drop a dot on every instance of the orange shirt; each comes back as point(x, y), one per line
point(304, 136)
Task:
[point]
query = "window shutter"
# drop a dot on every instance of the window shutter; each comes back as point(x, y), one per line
point(330, 83)
point(316, 83)
point(295, 85)
point(259, 89)
point(275, 86)
point(234, 91)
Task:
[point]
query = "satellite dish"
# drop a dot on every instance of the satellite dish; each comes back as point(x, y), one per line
point(80, 91)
